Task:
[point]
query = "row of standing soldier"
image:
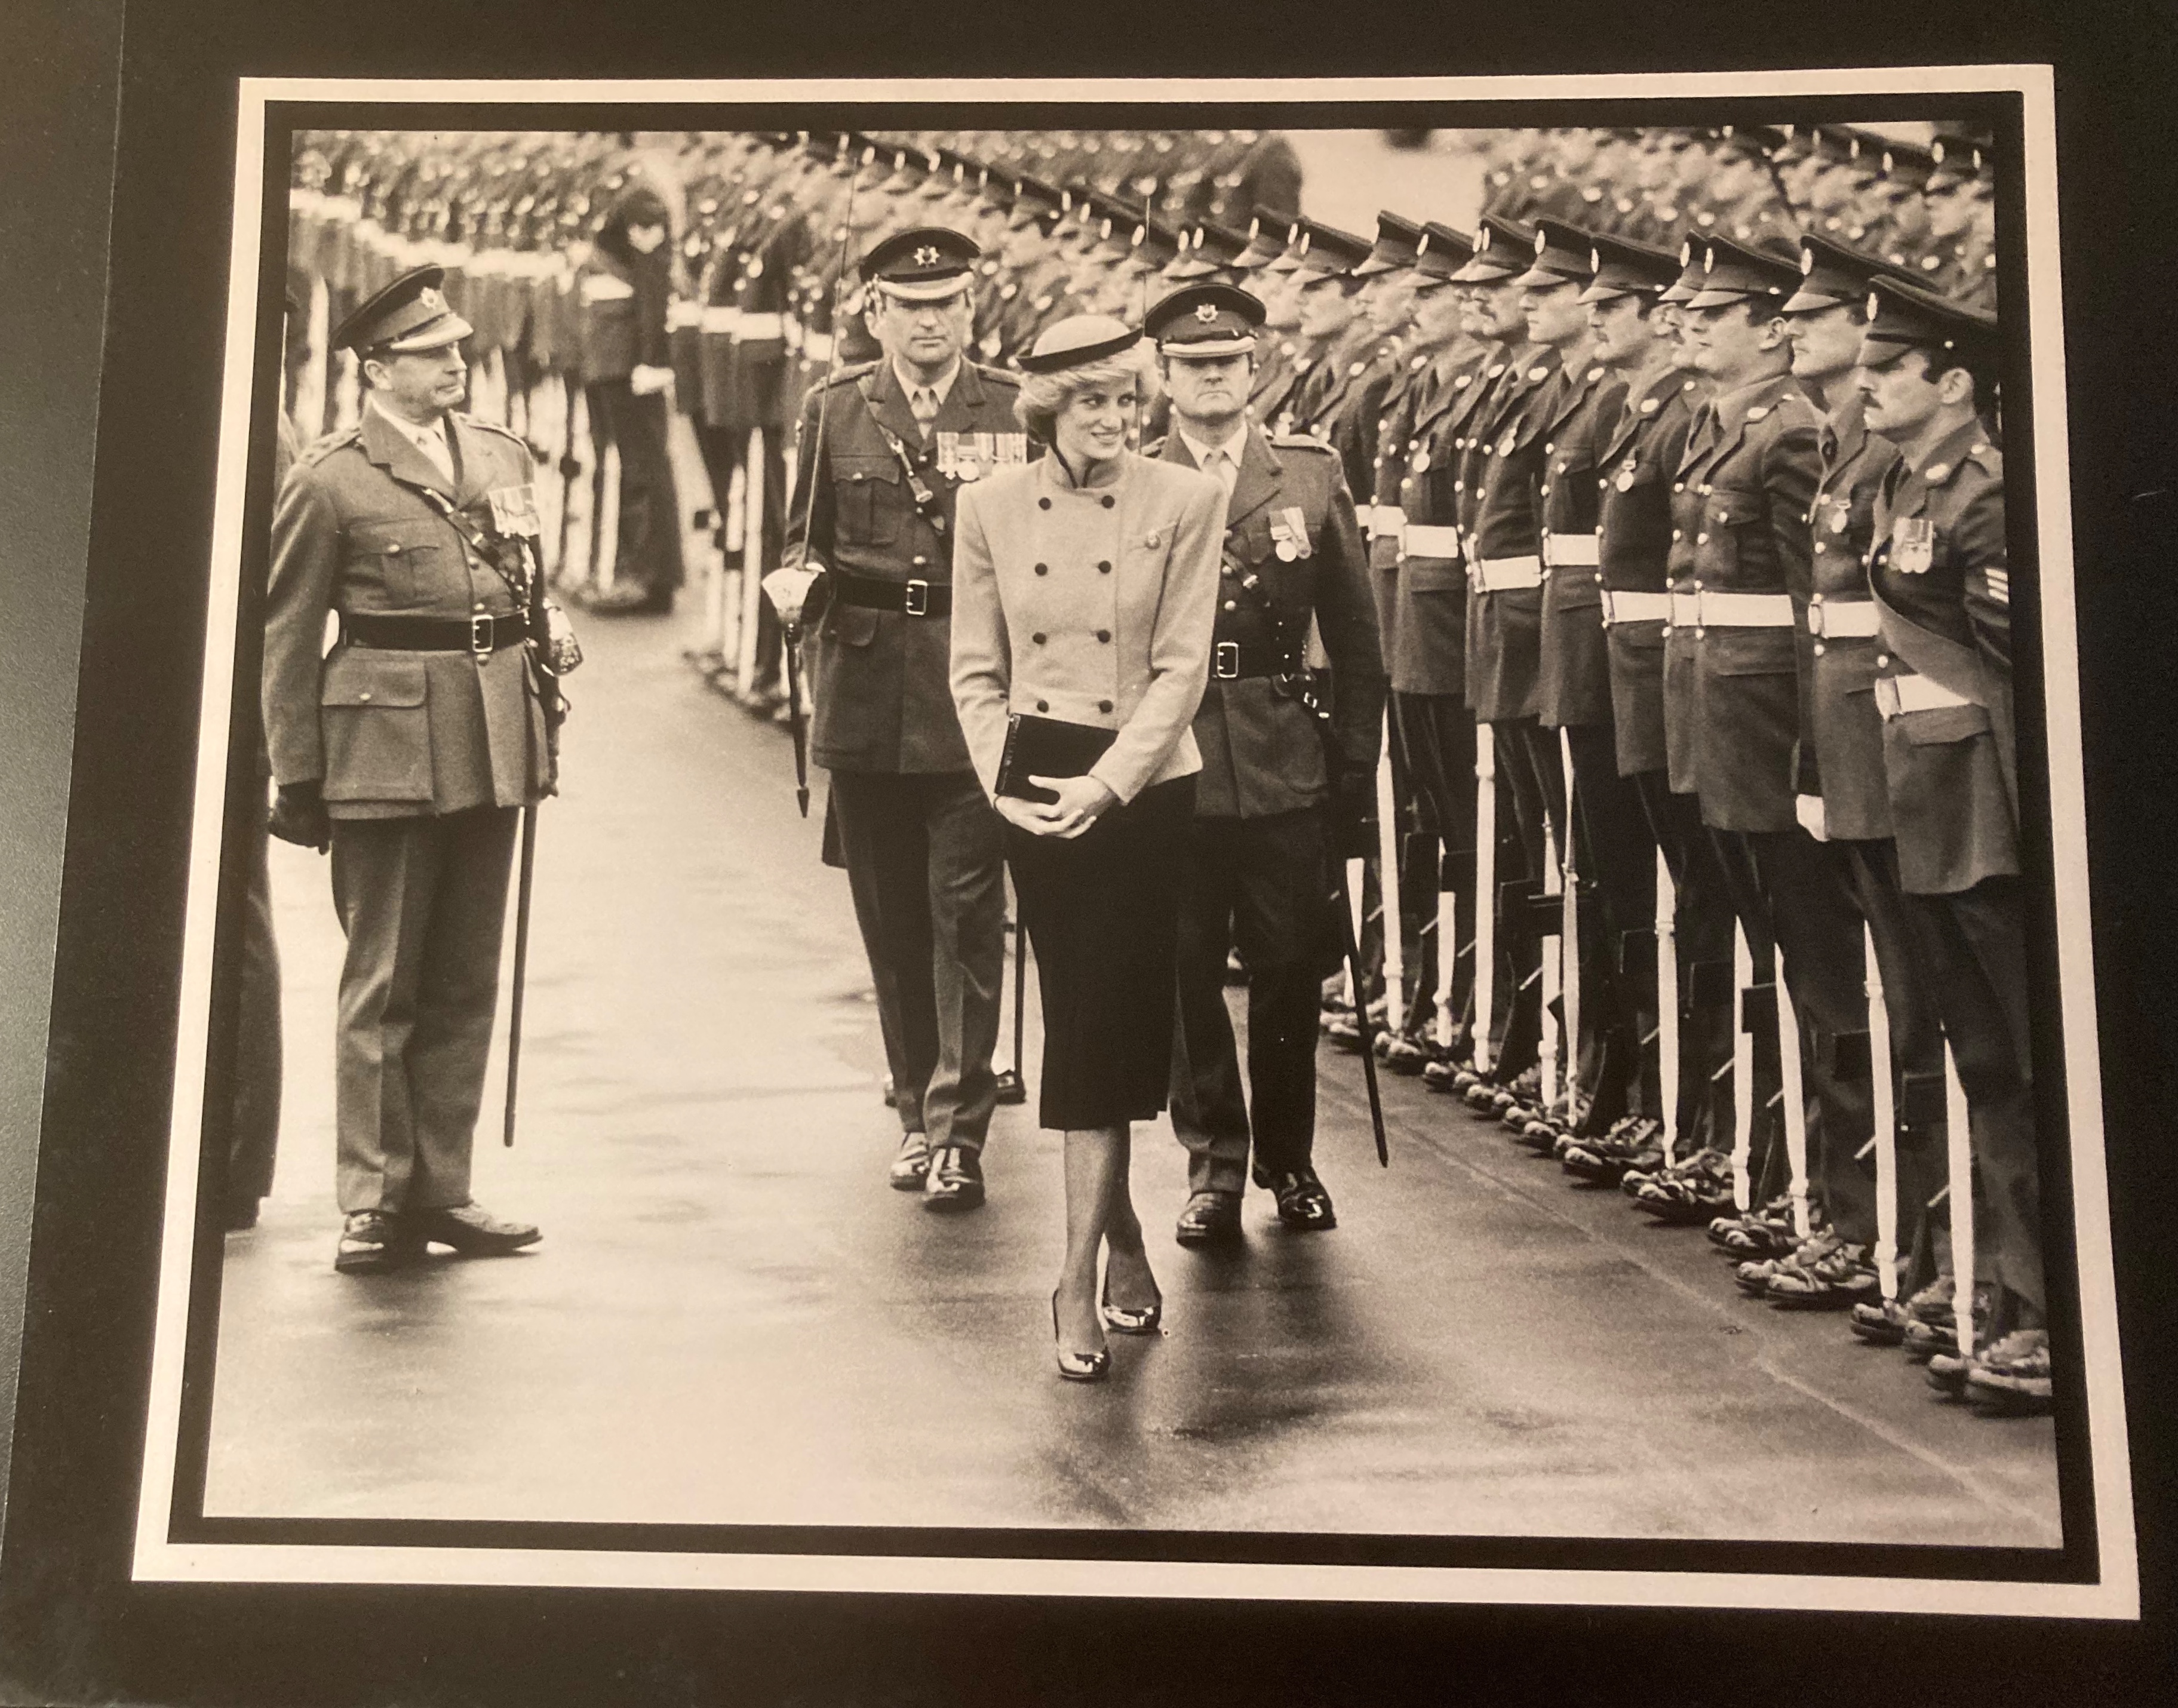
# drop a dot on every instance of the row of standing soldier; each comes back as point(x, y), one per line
point(1457, 416)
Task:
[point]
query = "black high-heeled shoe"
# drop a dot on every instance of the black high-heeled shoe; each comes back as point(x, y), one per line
point(1123, 1319)
point(1078, 1367)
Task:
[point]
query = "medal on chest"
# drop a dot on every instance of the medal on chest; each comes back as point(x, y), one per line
point(1912, 544)
point(1625, 481)
point(1419, 461)
point(1841, 516)
point(514, 512)
point(1290, 533)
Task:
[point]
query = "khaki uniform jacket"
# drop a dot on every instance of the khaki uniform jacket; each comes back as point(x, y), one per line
point(1749, 487)
point(1633, 545)
point(1260, 751)
point(1945, 609)
point(396, 734)
point(1575, 684)
point(878, 678)
point(1503, 469)
point(1091, 605)
point(1841, 756)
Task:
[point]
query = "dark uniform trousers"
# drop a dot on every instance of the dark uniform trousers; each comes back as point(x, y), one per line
point(1701, 927)
point(1530, 822)
point(423, 902)
point(253, 1136)
point(1244, 875)
point(1436, 734)
point(1617, 863)
point(923, 853)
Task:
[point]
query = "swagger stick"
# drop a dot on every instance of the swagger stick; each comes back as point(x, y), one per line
point(520, 967)
point(791, 628)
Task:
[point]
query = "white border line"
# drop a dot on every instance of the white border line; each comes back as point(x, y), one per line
point(2116, 1596)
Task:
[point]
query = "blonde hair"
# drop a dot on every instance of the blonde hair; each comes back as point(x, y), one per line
point(1042, 396)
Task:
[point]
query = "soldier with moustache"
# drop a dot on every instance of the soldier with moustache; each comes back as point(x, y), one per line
point(1500, 469)
point(1942, 586)
point(884, 450)
point(409, 749)
point(1272, 811)
point(1843, 798)
point(1634, 325)
point(1614, 867)
point(1749, 482)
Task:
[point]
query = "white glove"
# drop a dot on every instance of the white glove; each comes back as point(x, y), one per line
point(788, 590)
point(1808, 808)
point(645, 381)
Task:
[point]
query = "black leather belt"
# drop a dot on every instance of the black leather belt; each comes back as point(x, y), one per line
point(915, 598)
point(1230, 660)
point(481, 635)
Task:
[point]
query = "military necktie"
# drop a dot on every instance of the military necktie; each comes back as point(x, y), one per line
point(1222, 465)
point(924, 402)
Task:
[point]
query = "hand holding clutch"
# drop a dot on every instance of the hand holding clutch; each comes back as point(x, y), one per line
point(1081, 801)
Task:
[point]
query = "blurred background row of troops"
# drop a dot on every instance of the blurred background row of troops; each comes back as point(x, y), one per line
point(634, 291)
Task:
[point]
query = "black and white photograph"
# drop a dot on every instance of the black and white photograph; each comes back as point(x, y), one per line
point(1260, 840)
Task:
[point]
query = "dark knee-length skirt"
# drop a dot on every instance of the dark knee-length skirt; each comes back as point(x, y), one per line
point(1103, 912)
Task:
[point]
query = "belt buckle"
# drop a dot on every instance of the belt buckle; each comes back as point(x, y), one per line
point(915, 599)
point(1225, 660)
point(480, 637)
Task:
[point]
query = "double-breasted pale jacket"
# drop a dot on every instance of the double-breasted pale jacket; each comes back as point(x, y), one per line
point(1940, 572)
point(1260, 751)
point(1634, 546)
point(1091, 605)
point(877, 678)
point(385, 732)
point(1429, 624)
point(1746, 496)
point(1575, 682)
point(1841, 732)
point(1502, 468)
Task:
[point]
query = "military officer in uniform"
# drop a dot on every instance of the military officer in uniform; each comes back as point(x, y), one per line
point(1943, 593)
point(884, 449)
point(409, 748)
point(1842, 796)
point(1260, 871)
point(1749, 482)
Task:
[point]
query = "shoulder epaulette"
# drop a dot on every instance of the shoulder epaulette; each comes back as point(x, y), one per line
point(494, 427)
point(1003, 376)
point(852, 372)
point(1300, 441)
point(317, 450)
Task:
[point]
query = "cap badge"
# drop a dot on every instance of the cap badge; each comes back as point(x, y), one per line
point(1206, 312)
point(1806, 262)
point(1874, 303)
point(1542, 242)
point(431, 298)
point(1595, 260)
point(927, 256)
point(1482, 238)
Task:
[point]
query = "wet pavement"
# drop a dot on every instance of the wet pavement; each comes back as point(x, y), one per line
point(731, 1319)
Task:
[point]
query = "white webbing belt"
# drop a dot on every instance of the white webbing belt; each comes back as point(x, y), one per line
point(1851, 619)
point(1509, 574)
point(1429, 539)
point(1636, 607)
point(1570, 550)
point(1743, 610)
point(1896, 696)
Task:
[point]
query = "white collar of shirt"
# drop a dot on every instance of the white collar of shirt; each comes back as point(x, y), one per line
point(431, 440)
point(1233, 447)
point(909, 385)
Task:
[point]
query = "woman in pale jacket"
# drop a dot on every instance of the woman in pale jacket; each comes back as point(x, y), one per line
point(1084, 588)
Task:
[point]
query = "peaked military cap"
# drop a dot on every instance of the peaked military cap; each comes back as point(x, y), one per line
point(1561, 253)
point(1503, 249)
point(1394, 247)
point(1268, 235)
point(1213, 249)
point(1960, 156)
point(1756, 142)
point(410, 313)
point(1332, 253)
point(1620, 267)
point(1903, 316)
point(1907, 165)
point(1077, 341)
point(925, 264)
point(1035, 202)
point(1440, 254)
point(1830, 274)
point(1733, 273)
point(1203, 322)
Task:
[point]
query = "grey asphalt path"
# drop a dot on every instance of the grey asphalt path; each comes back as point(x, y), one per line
point(732, 1319)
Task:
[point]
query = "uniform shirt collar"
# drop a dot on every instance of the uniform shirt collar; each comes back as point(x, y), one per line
point(431, 440)
point(1199, 449)
point(909, 385)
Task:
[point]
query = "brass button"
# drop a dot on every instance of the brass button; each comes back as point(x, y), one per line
point(1883, 661)
point(393, 548)
point(1544, 489)
point(1818, 649)
point(1701, 540)
point(1677, 535)
point(920, 561)
point(364, 695)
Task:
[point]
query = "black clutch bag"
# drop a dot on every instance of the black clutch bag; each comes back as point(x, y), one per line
point(1048, 747)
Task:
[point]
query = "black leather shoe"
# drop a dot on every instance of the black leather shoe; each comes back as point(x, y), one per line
point(1211, 1219)
point(470, 1228)
point(630, 599)
point(371, 1242)
point(241, 1214)
point(1010, 1087)
point(955, 1181)
point(1303, 1203)
point(911, 1164)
